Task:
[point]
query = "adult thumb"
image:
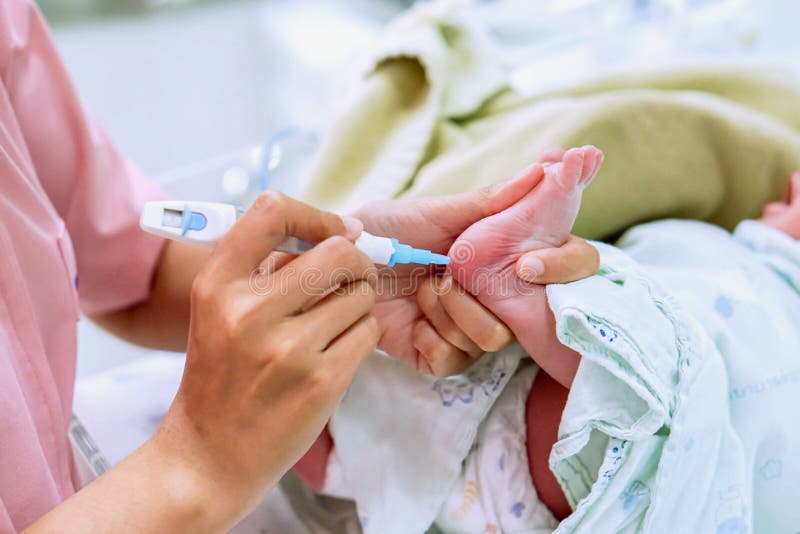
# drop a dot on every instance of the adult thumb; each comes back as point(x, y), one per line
point(457, 212)
point(505, 194)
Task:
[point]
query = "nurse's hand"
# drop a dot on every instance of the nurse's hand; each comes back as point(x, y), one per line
point(267, 363)
point(441, 330)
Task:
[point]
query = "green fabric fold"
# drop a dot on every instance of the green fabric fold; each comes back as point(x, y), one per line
point(436, 115)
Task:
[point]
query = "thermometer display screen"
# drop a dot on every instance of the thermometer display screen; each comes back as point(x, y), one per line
point(172, 218)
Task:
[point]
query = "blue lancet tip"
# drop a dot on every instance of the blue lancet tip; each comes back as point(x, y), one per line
point(438, 259)
point(406, 254)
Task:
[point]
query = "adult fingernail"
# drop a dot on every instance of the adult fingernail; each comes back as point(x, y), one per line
point(530, 268)
point(353, 226)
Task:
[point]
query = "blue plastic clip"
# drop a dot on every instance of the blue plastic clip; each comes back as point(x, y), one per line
point(191, 220)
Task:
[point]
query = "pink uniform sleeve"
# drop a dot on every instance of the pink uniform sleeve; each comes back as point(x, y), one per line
point(93, 188)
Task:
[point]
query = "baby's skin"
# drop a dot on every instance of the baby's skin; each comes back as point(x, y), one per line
point(785, 216)
point(484, 260)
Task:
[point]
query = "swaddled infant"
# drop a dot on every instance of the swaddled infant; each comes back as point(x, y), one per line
point(657, 400)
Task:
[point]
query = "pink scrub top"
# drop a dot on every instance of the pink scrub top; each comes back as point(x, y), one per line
point(69, 209)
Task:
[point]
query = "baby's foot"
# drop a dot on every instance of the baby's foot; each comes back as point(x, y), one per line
point(483, 258)
point(785, 216)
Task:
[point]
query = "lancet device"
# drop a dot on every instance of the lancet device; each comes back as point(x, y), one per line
point(205, 223)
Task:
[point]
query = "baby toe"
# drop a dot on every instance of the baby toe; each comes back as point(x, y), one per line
point(589, 159)
point(592, 159)
point(552, 155)
point(598, 163)
point(595, 168)
point(572, 167)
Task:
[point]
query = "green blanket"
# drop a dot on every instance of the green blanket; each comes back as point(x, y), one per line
point(435, 114)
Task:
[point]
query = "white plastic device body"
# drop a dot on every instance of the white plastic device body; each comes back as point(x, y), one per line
point(167, 219)
point(162, 218)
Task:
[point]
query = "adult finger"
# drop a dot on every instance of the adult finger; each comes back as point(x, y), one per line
point(445, 216)
point(314, 274)
point(456, 212)
point(272, 218)
point(482, 327)
point(272, 263)
point(337, 312)
point(428, 300)
point(441, 357)
point(575, 260)
point(345, 354)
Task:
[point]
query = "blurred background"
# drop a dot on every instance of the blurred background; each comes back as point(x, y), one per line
point(180, 81)
point(192, 89)
point(204, 95)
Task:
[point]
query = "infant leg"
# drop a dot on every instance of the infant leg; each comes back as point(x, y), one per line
point(484, 257)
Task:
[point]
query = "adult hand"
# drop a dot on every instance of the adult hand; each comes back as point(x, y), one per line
point(267, 363)
point(440, 330)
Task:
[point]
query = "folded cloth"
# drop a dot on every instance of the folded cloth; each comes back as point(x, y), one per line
point(401, 437)
point(495, 491)
point(435, 114)
point(680, 417)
